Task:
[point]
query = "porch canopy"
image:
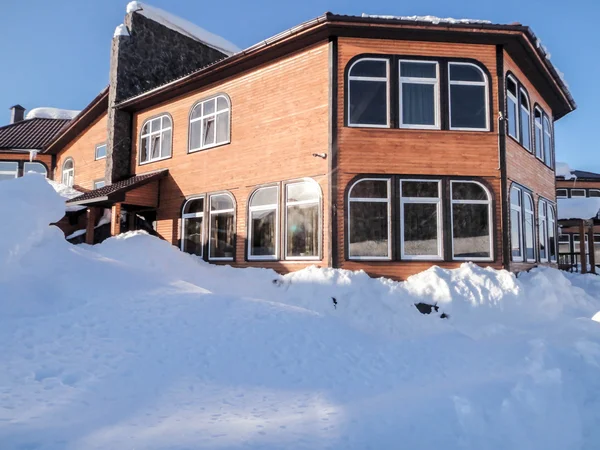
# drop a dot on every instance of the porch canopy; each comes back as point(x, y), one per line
point(579, 215)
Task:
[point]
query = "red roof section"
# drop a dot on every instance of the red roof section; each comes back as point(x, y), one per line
point(29, 134)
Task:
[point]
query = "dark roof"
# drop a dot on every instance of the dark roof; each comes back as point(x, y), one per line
point(31, 134)
point(115, 192)
point(80, 122)
point(582, 174)
point(518, 40)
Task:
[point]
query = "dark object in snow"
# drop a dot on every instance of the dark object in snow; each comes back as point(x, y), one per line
point(334, 302)
point(277, 282)
point(425, 308)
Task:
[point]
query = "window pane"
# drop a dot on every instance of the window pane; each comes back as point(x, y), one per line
point(564, 244)
point(529, 233)
point(299, 192)
point(263, 233)
point(220, 202)
point(511, 86)
point(547, 144)
point(34, 167)
point(418, 104)
point(194, 206)
point(195, 128)
point(155, 125)
point(515, 197)
point(467, 106)
point(420, 229)
point(525, 129)
point(221, 235)
point(6, 176)
point(471, 230)
point(165, 151)
point(208, 137)
point(539, 144)
point(302, 230)
point(369, 69)
point(222, 128)
point(10, 167)
point(515, 233)
point(101, 151)
point(222, 104)
point(146, 128)
point(196, 112)
point(418, 70)
point(468, 191)
point(99, 184)
point(155, 146)
point(192, 241)
point(424, 189)
point(264, 196)
point(144, 149)
point(593, 193)
point(370, 189)
point(209, 107)
point(368, 102)
point(166, 122)
point(577, 192)
point(511, 111)
point(551, 241)
point(464, 72)
point(368, 229)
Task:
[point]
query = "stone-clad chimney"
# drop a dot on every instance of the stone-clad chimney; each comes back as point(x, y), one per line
point(17, 113)
point(145, 54)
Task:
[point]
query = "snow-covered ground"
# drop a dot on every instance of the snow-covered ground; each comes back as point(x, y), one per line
point(132, 344)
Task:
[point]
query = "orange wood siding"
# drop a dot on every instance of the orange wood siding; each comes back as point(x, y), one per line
point(415, 152)
point(146, 195)
point(82, 150)
point(279, 118)
point(577, 184)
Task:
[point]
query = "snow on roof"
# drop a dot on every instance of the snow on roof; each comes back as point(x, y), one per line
point(183, 26)
point(563, 170)
point(432, 19)
point(66, 192)
point(121, 30)
point(578, 208)
point(51, 113)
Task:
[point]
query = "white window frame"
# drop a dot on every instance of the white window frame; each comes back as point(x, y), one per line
point(220, 211)
point(96, 157)
point(418, 80)
point(287, 204)
point(566, 195)
point(387, 200)
point(539, 146)
point(25, 171)
point(213, 115)
point(193, 215)
point(531, 212)
point(527, 111)
point(593, 190)
point(158, 133)
point(270, 207)
point(516, 100)
point(10, 172)
point(548, 132)
point(484, 83)
point(440, 220)
point(543, 227)
point(578, 196)
point(69, 172)
point(97, 182)
point(519, 209)
point(372, 79)
point(551, 219)
point(487, 202)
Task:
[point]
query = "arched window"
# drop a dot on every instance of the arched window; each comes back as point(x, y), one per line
point(543, 229)
point(302, 220)
point(529, 228)
point(221, 228)
point(512, 111)
point(551, 233)
point(525, 120)
point(369, 214)
point(471, 221)
point(368, 88)
point(263, 234)
point(468, 97)
point(35, 167)
point(419, 94)
point(155, 139)
point(516, 228)
point(210, 123)
point(192, 227)
point(68, 172)
point(539, 134)
point(547, 142)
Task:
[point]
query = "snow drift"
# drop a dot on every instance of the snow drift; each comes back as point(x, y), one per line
point(134, 344)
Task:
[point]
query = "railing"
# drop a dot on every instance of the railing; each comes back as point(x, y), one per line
point(571, 262)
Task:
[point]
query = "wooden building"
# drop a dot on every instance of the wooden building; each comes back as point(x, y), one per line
point(382, 144)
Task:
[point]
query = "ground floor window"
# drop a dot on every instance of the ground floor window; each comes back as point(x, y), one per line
point(302, 220)
point(8, 170)
point(263, 237)
point(221, 228)
point(13, 169)
point(192, 232)
point(516, 223)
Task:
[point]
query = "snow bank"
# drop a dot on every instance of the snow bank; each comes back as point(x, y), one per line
point(67, 193)
point(134, 344)
point(121, 30)
point(563, 170)
point(183, 26)
point(432, 19)
point(51, 113)
point(578, 208)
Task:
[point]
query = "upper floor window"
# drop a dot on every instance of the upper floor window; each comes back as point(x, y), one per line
point(512, 111)
point(210, 123)
point(68, 172)
point(469, 102)
point(577, 192)
point(368, 88)
point(263, 236)
point(100, 151)
point(539, 133)
point(156, 139)
point(419, 94)
point(8, 170)
point(35, 167)
point(548, 142)
point(525, 120)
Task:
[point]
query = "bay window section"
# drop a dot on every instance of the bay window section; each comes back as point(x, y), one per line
point(302, 220)
point(263, 241)
point(525, 119)
point(419, 94)
point(516, 220)
point(543, 230)
point(539, 134)
point(529, 228)
point(369, 227)
point(471, 221)
point(192, 229)
point(35, 167)
point(548, 142)
point(8, 170)
point(209, 123)
point(551, 234)
point(468, 92)
point(420, 219)
point(221, 230)
point(512, 111)
point(155, 139)
point(368, 93)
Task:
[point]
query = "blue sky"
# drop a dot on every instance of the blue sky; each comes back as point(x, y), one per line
point(56, 52)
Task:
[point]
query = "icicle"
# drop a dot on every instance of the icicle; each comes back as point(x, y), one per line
point(32, 155)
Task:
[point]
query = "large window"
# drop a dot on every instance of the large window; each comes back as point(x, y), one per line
point(548, 159)
point(221, 228)
point(420, 219)
point(368, 95)
point(369, 227)
point(209, 123)
point(468, 97)
point(263, 236)
point(8, 170)
point(35, 167)
point(529, 227)
point(471, 221)
point(155, 139)
point(100, 151)
point(419, 94)
point(302, 220)
point(551, 233)
point(516, 224)
point(543, 230)
point(525, 120)
point(539, 133)
point(192, 229)
point(512, 111)
point(68, 172)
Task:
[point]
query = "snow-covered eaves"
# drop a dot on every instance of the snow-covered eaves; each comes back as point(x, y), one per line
point(182, 26)
point(578, 208)
point(51, 113)
point(563, 170)
point(431, 19)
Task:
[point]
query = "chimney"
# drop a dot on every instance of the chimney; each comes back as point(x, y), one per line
point(17, 112)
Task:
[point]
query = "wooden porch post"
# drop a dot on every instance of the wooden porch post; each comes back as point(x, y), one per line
point(582, 259)
point(90, 225)
point(115, 220)
point(591, 249)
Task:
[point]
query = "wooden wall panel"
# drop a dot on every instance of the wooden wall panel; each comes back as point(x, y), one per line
point(575, 184)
